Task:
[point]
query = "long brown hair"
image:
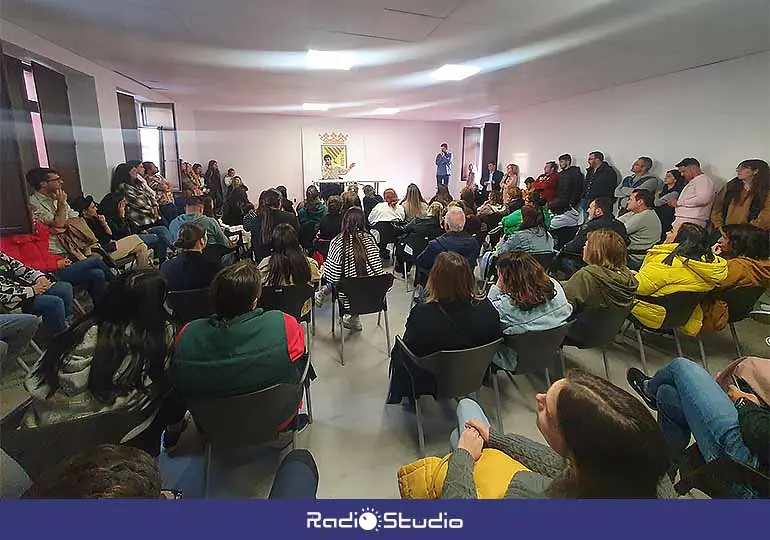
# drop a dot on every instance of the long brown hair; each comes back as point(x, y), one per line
point(450, 280)
point(353, 227)
point(413, 202)
point(524, 280)
point(760, 187)
point(288, 263)
point(615, 448)
point(468, 196)
point(532, 218)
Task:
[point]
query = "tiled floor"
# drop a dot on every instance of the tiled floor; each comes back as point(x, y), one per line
point(359, 442)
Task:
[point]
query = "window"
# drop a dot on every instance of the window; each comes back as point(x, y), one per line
point(150, 141)
point(34, 112)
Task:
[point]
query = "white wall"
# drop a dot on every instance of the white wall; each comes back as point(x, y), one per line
point(102, 135)
point(719, 114)
point(266, 150)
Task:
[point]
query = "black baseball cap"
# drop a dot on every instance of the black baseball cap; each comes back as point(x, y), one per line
point(688, 161)
point(81, 203)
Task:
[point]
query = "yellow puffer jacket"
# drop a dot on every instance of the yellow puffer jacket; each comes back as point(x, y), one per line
point(492, 473)
point(683, 275)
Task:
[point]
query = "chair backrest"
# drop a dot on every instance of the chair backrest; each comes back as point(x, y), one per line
point(307, 233)
point(417, 245)
point(679, 307)
point(322, 246)
point(563, 235)
point(740, 300)
point(536, 351)
point(597, 327)
point(461, 372)
point(545, 258)
point(39, 449)
point(189, 305)
point(287, 298)
point(248, 419)
point(366, 294)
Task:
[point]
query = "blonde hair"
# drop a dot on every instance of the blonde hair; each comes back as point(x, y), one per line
point(606, 248)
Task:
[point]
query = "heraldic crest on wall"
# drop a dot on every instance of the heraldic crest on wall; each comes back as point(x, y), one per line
point(334, 144)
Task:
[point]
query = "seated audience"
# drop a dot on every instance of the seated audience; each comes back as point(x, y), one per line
point(695, 200)
point(16, 331)
point(493, 206)
point(527, 300)
point(417, 231)
point(564, 223)
point(313, 210)
point(687, 264)
point(747, 250)
point(414, 205)
point(31, 250)
point(218, 244)
point(49, 205)
point(331, 223)
point(728, 416)
point(442, 195)
point(599, 217)
point(261, 221)
point(745, 198)
point(640, 179)
point(512, 221)
point(605, 281)
point(352, 253)
point(468, 198)
point(28, 289)
point(242, 349)
point(190, 269)
point(351, 199)
point(451, 318)
point(454, 239)
point(288, 265)
point(163, 192)
point(532, 236)
point(569, 186)
point(547, 182)
point(371, 199)
point(385, 217)
point(118, 243)
point(115, 357)
point(642, 226)
point(473, 225)
point(513, 198)
point(236, 206)
point(113, 207)
point(601, 444)
point(286, 203)
point(673, 184)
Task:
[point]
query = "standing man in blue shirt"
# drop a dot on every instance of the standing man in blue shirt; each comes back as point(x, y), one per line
point(443, 166)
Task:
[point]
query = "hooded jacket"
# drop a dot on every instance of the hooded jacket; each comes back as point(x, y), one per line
point(658, 279)
point(741, 272)
point(595, 286)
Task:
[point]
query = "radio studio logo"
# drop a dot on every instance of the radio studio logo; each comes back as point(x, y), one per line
point(370, 519)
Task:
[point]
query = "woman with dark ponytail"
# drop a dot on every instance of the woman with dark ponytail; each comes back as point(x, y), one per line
point(190, 269)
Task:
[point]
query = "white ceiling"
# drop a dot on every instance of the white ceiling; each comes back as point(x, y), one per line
point(248, 55)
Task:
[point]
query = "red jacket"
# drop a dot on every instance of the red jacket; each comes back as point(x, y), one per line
point(546, 185)
point(32, 249)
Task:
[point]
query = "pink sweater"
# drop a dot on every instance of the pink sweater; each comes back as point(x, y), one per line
point(694, 203)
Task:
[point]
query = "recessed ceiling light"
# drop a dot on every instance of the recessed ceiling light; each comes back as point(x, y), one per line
point(328, 60)
point(315, 106)
point(387, 110)
point(454, 72)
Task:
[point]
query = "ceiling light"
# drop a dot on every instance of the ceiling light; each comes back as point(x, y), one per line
point(387, 110)
point(454, 72)
point(328, 60)
point(315, 106)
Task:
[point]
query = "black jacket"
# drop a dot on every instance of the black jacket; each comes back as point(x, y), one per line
point(497, 177)
point(575, 246)
point(189, 270)
point(369, 203)
point(331, 226)
point(600, 182)
point(252, 222)
point(569, 187)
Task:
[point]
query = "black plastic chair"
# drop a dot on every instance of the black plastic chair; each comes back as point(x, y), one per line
point(38, 449)
point(364, 295)
point(740, 301)
point(717, 477)
point(307, 234)
point(249, 419)
point(563, 235)
point(291, 299)
point(187, 306)
point(596, 328)
point(545, 258)
point(679, 307)
point(412, 247)
point(458, 374)
point(321, 245)
point(536, 353)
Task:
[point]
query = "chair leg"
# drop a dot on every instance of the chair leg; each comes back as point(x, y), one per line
point(737, 343)
point(420, 434)
point(548, 377)
point(333, 306)
point(207, 459)
point(641, 350)
point(606, 365)
point(312, 315)
point(342, 346)
point(406, 277)
point(387, 332)
point(563, 362)
point(678, 344)
point(309, 402)
point(498, 406)
point(379, 318)
point(294, 440)
point(702, 352)
point(36, 347)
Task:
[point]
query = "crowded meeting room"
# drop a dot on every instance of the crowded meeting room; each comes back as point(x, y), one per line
point(385, 249)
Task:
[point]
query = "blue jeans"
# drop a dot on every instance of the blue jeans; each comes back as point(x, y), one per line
point(90, 273)
point(16, 331)
point(296, 478)
point(55, 306)
point(442, 179)
point(467, 409)
point(691, 402)
point(159, 239)
point(168, 212)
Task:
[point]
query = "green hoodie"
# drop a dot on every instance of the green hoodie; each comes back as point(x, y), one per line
point(596, 286)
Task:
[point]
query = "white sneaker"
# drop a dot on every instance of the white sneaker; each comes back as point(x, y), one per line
point(352, 322)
